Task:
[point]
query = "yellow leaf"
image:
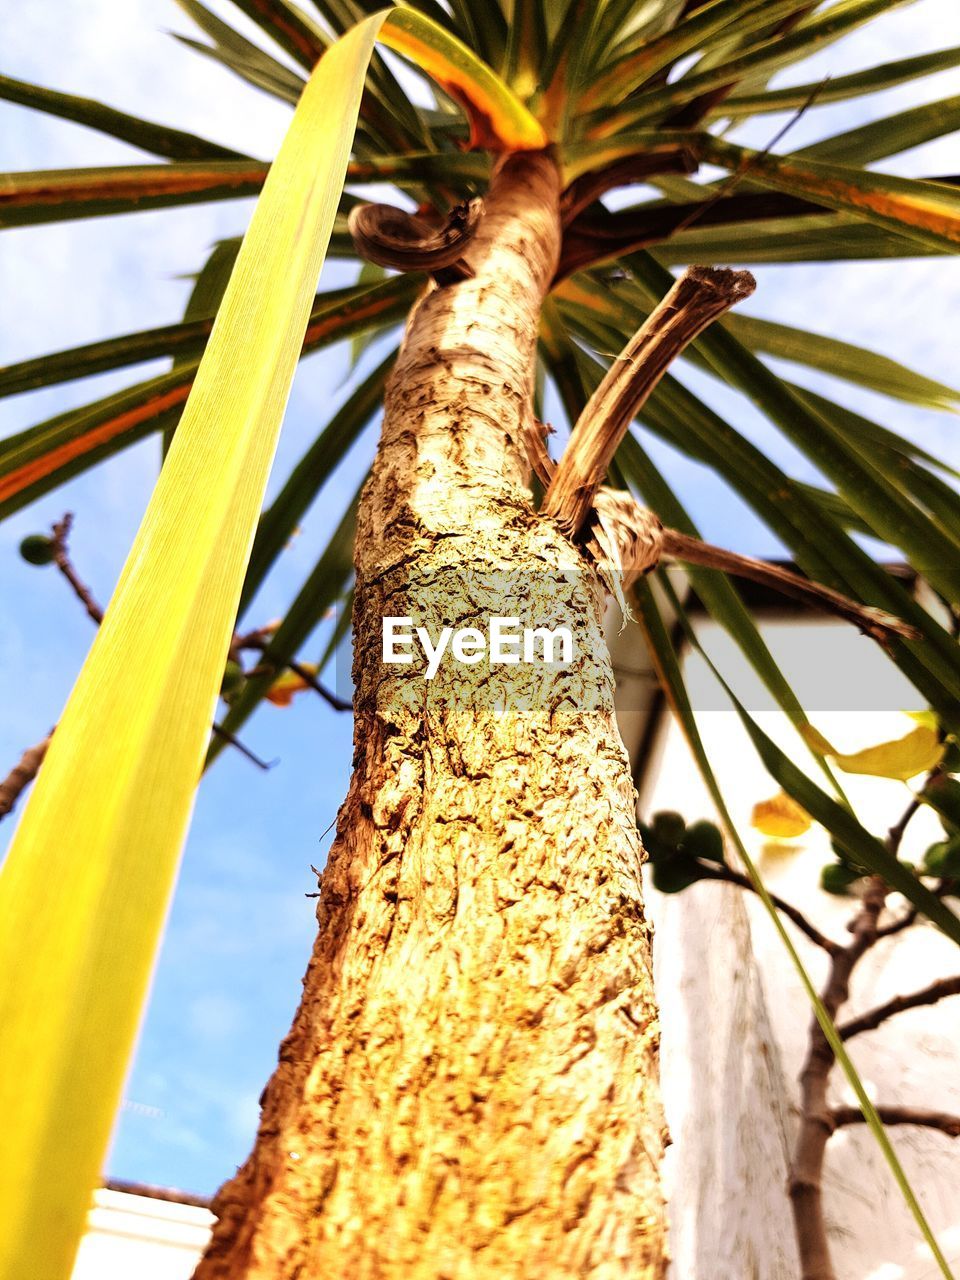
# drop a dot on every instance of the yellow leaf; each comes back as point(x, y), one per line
point(816, 741)
point(926, 718)
point(780, 816)
point(281, 692)
point(917, 752)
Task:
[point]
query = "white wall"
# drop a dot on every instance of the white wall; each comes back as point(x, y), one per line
point(735, 1017)
point(132, 1237)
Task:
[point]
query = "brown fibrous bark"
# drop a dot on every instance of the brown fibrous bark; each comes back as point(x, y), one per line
point(469, 1086)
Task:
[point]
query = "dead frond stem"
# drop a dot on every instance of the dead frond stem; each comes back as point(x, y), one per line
point(701, 295)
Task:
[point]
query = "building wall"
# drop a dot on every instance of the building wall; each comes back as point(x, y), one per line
point(734, 1015)
point(134, 1237)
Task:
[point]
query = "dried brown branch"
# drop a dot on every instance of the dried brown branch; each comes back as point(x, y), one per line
point(942, 1120)
point(61, 558)
point(787, 909)
point(21, 775)
point(874, 622)
point(394, 238)
point(873, 1018)
point(589, 187)
point(701, 295)
point(625, 537)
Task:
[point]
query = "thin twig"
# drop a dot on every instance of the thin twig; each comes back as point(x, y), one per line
point(61, 558)
point(873, 1018)
point(696, 212)
point(787, 909)
point(942, 1120)
point(262, 645)
point(733, 180)
point(227, 736)
point(897, 926)
point(596, 237)
point(701, 295)
point(21, 775)
point(896, 832)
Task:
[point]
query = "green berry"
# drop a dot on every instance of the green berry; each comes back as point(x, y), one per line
point(668, 827)
point(837, 879)
point(676, 875)
point(37, 549)
point(703, 840)
point(943, 858)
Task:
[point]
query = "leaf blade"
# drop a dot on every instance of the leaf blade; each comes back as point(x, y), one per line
point(161, 140)
point(129, 794)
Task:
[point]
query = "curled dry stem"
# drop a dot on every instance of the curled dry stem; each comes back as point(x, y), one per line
point(392, 237)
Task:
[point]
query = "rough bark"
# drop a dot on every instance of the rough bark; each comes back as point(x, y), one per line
point(469, 1087)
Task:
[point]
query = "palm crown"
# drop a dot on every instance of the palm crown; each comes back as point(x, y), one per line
point(626, 93)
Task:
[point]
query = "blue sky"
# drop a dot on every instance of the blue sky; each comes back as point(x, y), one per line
point(240, 928)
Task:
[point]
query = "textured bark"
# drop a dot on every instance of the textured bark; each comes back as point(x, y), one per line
point(469, 1086)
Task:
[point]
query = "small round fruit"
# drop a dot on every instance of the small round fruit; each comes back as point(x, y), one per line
point(37, 549)
point(668, 827)
point(837, 879)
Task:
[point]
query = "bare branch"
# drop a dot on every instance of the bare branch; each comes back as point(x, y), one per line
point(817, 1121)
point(898, 830)
point(701, 295)
point(897, 926)
point(942, 1120)
point(874, 622)
point(21, 775)
point(625, 535)
point(394, 238)
point(256, 641)
point(12, 786)
point(61, 558)
point(806, 1169)
point(873, 1018)
point(227, 736)
point(787, 909)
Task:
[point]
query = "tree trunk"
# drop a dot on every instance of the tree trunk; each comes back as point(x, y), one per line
point(469, 1086)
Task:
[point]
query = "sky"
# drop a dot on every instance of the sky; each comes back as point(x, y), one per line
point(240, 926)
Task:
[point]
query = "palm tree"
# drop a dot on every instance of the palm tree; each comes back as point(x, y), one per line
point(469, 1085)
